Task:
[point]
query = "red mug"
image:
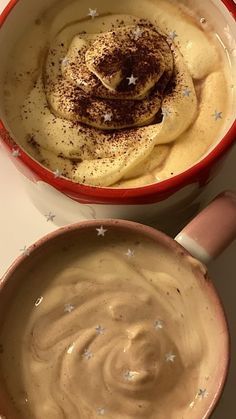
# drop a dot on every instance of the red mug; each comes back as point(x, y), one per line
point(147, 203)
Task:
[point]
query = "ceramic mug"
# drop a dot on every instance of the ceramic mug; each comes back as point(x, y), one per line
point(147, 203)
point(204, 238)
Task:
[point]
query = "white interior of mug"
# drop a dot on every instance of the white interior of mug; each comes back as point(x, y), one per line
point(26, 12)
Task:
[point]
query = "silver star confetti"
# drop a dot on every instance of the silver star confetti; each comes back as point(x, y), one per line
point(25, 251)
point(93, 13)
point(87, 354)
point(65, 61)
point(172, 35)
point(165, 112)
point(57, 173)
point(132, 79)
point(202, 393)
point(217, 115)
point(108, 117)
point(129, 375)
point(16, 152)
point(186, 92)
point(101, 231)
point(71, 348)
point(68, 308)
point(100, 330)
point(159, 324)
point(130, 253)
point(83, 83)
point(137, 33)
point(170, 357)
point(101, 411)
point(38, 301)
point(202, 20)
point(50, 216)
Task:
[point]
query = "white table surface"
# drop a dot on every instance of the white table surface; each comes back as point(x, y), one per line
point(21, 224)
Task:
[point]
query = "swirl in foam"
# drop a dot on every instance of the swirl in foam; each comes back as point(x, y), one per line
point(109, 348)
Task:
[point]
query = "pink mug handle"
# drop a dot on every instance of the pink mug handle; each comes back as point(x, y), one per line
point(211, 231)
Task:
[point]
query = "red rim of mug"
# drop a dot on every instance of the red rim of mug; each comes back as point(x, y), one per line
point(140, 195)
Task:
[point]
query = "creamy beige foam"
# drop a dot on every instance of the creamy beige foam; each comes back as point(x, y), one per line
point(111, 325)
point(117, 100)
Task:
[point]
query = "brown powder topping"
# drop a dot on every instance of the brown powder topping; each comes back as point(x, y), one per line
point(116, 80)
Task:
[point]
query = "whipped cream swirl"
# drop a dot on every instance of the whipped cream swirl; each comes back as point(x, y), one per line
point(114, 103)
point(113, 80)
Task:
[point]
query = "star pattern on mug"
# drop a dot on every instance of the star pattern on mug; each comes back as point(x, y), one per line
point(108, 117)
point(132, 79)
point(100, 330)
point(137, 33)
point(68, 308)
point(93, 13)
point(186, 92)
point(170, 357)
point(25, 251)
point(130, 253)
point(57, 173)
point(101, 231)
point(16, 152)
point(159, 324)
point(87, 354)
point(202, 393)
point(38, 301)
point(172, 35)
point(50, 216)
point(101, 411)
point(217, 115)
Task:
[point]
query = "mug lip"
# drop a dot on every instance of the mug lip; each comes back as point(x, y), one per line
point(158, 237)
point(109, 195)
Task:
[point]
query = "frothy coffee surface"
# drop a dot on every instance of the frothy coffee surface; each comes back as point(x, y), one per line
point(120, 95)
point(110, 324)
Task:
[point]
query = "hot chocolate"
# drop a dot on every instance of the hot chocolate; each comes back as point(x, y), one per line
point(119, 95)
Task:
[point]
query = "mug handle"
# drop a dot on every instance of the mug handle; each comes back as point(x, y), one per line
point(212, 230)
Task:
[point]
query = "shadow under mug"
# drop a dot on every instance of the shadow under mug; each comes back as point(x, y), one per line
point(205, 237)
